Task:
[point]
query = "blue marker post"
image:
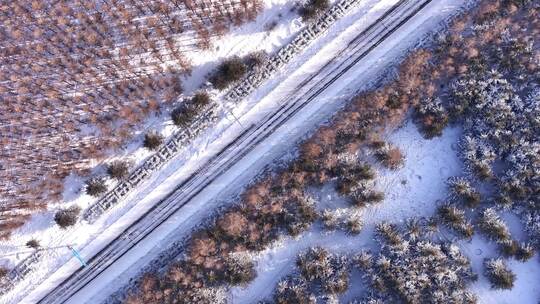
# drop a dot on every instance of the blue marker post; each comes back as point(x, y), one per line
point(78, 256)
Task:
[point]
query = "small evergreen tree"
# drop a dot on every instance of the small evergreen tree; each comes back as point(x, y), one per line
point(463, 190)
point(96, 186)
point(313, 8)
point(229, 71)
point(200, 99)
point(33, 243)
point(67, 217)
point(118, 169)
point(152, 140)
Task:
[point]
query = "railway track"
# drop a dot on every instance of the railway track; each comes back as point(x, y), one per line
point(253, 135)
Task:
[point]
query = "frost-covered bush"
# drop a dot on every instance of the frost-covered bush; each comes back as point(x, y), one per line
point(313, 8)
point(96, 186)
point(499, 275)
point(67, 217)
point(353, 176)
point(228, 72)
point(363, 260)
point(416, 270)
point(524, 252)
point(462, 190)
point(508, 248)
point(493, 226)
point(293, 290)
point(350, 222)
point(330, 219)
point(432, 117)
point(503, 128)
point(33, 243)
point(390, 156)
point(354, 224)
point(331, 271)
point(365, 197)
point(300, 215)
point(414, 229)
point(455, 219)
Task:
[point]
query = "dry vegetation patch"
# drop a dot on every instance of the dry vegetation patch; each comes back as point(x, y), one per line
point(78, 77)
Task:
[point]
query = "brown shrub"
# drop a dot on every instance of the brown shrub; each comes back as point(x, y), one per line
point(201, 248)
point(390, 157)
point(233, 224)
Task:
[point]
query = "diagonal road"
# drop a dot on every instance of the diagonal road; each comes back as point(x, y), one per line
point(251, 137)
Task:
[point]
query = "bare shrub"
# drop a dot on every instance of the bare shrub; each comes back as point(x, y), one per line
point(183, 115)
point(67, 217)
point(354, 224)
point(233, 224)
point(255, 59)
point(391, 157)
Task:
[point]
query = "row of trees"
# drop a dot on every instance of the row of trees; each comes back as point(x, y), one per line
point(77, 77)
point(265, 210)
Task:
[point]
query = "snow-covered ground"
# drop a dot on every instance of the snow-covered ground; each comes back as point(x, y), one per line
point(409, 192)
point(412, 191)
point(89, 239)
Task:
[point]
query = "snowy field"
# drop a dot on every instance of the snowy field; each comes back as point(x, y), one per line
point(412, 191)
